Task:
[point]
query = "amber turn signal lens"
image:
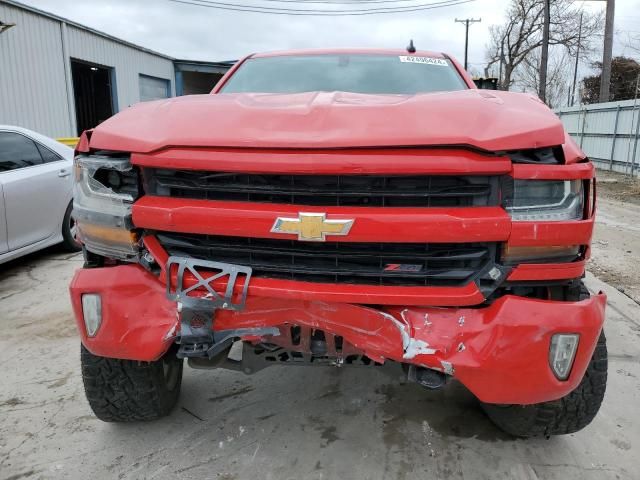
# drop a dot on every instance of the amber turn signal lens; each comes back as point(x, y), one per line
point(108, 241)
point(108, 234)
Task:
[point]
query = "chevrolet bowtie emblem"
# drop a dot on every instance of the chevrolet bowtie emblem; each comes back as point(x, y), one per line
point(312, 227)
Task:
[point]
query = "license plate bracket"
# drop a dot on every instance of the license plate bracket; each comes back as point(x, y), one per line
point(205, 273)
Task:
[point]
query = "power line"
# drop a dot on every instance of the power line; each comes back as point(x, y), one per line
point(302, 12)
point(214, 4)
point(337, 2)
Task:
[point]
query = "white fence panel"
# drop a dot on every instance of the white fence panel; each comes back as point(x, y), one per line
point(609, 133)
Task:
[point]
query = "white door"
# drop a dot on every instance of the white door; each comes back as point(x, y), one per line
point(35, 184)
point(153, 88)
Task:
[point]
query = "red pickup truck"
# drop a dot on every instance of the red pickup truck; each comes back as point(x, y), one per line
point(341, 208)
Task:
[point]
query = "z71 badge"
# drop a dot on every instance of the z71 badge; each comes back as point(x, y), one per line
point(402, 267)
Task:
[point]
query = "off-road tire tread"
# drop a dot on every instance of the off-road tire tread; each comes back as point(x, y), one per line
point(127, 390)
point(563, 416)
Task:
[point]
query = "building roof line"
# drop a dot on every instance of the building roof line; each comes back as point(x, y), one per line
point(58, 18)
point(222, 63)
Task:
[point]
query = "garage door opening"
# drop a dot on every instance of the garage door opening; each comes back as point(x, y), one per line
point(93, 94)
point(193, 78)
point(199, 82)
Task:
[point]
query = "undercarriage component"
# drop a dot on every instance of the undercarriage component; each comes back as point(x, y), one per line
point(198, 339)
point(253, 358)
point(197, 311)
point(290, 345)
point(426, 377)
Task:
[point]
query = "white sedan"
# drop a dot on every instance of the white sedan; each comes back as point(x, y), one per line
point(35, 193)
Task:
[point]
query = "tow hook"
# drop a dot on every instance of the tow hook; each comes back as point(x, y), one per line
point(429, 379)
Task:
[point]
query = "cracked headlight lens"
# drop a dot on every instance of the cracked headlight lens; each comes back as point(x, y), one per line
point(104, 190)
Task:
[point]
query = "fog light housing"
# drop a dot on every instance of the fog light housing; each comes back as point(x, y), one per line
point(562, 352)
point(92, 312)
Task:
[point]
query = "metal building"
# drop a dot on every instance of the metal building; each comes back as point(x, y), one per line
point(58, 77)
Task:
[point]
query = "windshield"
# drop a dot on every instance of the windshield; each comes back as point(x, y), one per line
point(390, 74)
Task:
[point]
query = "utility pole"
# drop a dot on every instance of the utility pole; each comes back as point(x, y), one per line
point(605, 80)
point(544, 56)
point(635, 144)
point(501, 85)
point(575, 69)
point(467, 21)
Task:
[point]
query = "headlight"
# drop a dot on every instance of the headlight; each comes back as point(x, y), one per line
point(105, 188)
point(545, 200)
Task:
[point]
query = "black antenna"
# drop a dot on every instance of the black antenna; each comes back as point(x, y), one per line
point(411, 48)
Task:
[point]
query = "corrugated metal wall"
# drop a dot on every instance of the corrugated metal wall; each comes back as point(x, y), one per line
point(34, 89)
point(609, 133)
point(32, 80)
point(128, 62)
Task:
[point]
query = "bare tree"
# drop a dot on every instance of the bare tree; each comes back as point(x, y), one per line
point(558, 76)
point(633, 43)
point(521, 35)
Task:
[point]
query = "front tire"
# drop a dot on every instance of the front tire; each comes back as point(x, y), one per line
point(565, 415)
point(129, 390)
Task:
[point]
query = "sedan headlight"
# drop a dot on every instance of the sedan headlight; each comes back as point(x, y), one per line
point(105, 188)
point(545, 200)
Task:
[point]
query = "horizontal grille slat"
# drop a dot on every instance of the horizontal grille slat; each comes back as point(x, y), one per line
point(415, 264)
point(327, 190)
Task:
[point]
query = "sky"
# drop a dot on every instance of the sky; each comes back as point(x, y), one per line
point(194, 32)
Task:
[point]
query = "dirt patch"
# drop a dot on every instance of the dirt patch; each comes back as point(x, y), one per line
point(617, 186)
point(235, 393)
point(615, 247)
point(12, 402)
point(45, 325)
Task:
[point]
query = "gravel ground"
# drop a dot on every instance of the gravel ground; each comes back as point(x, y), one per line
point(616, 242)
point(290, 423)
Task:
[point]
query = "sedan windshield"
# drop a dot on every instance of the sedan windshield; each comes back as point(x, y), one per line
point(375, 74)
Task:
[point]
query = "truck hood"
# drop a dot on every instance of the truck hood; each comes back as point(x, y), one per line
point(492, 121)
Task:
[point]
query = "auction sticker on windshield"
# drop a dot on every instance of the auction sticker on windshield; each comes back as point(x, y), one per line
point(424, 60)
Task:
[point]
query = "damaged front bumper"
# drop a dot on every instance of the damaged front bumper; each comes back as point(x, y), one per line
point(499, 352)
